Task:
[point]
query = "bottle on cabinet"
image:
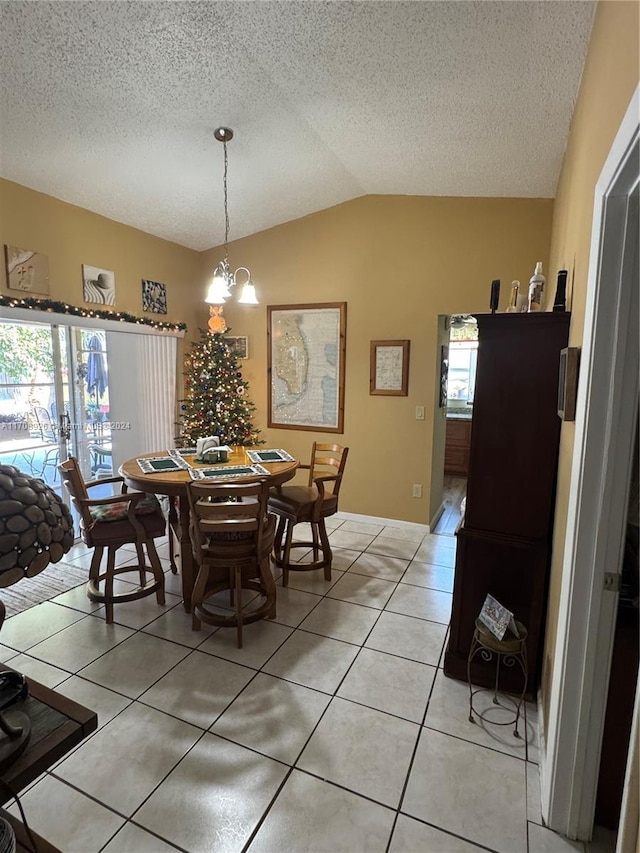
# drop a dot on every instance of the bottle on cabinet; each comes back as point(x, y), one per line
point(536, 289)
point(513, 299)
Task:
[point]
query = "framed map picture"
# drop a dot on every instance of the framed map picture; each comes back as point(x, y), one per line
point(306, 355)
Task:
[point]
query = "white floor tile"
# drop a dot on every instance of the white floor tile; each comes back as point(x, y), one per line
point(543, 840)
point(390, 547)
point(470, 791)
point(379, 566)
point(428, 604)
point(213, 799)
point(122, 764)
point(46, 674)
point(359, 589)
point(408, 637)
point(78, 599)
point(175, 625)
point(341, 620)
point(198, 689)
point(134, 665)
point(436, 553)
point(342, 538)
point(30, 627)
point(362, 527)
point(260, 641)
point(534, 808)
point(273, 717)
point(314, 581)
point(313, 661)
point(412, 836)
point(388, 683)
point(311, 815)
point(105, 703)
point(132, 839)
point(361, 749)
point(292, 605)
point(449, 713)
point(66, 818)
point(432, 577)
point(79, 644)
point(391, 532)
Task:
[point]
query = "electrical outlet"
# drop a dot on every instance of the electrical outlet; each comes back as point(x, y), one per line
point(417, 490)
point(419, 413)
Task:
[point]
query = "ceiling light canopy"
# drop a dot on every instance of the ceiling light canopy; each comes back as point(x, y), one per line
point(223, 278)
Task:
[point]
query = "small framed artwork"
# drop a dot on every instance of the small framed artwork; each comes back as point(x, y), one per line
point(98, 285)
point(26, 270)
point(389, 373)
point(239, 346)
point(154, 297)
point(568, 383)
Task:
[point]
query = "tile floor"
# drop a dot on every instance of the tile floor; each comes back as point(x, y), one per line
point(334, 729)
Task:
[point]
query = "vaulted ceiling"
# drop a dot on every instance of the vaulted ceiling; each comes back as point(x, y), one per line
point(112, 105)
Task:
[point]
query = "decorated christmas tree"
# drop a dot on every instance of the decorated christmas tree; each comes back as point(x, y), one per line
point(217, 402)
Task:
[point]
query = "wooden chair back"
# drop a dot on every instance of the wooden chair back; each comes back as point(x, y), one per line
point(230, 516)
point(75, 485)
point(327, 463)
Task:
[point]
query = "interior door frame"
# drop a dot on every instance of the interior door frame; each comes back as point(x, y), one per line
point(606, 414)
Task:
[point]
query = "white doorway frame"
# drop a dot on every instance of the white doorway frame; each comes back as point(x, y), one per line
point(606, 415)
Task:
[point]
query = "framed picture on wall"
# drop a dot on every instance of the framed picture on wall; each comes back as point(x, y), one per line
point(306, 364)
point(27, 270)
point(98, 285)
point(154, 297)
point(389, 368)
point(239, 346)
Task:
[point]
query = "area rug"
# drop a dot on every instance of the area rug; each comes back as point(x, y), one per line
point(54, 580)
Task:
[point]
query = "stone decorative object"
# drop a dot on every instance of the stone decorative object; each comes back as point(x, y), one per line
point(36, 527)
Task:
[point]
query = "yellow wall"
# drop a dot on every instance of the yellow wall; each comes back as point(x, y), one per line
point(610, 77)
point(71, 236)
point(398, 262)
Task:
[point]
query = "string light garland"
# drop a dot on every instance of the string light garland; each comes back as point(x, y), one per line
point(54, 307)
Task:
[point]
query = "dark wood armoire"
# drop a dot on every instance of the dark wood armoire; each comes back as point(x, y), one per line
point(504, 541)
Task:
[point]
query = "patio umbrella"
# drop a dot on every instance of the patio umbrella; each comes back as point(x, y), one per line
point(97, 377)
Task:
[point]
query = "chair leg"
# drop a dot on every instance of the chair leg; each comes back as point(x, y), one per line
point(94, 569)
point(286, 557)
point(269, 586)
point(173, 518)
point(277, 541)
point(108, 585)
point(238, 584)
point(327, 554)
point(156, 568)
point(142, 574)
point(197, 596)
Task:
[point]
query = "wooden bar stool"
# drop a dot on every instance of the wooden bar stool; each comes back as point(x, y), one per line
point(111, 522)
point(311, 503)
point(232, 535)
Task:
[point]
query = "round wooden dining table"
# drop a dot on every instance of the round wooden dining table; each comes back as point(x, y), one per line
point(174, 485)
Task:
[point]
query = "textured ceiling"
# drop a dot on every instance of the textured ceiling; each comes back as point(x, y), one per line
point(112, 105)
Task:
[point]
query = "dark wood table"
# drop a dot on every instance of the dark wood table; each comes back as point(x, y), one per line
point(174, 484)
point(57, 725)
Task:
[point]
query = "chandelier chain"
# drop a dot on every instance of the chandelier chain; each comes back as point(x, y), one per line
point(226, 206)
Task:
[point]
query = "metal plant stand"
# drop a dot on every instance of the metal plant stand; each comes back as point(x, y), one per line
point(507, 652)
